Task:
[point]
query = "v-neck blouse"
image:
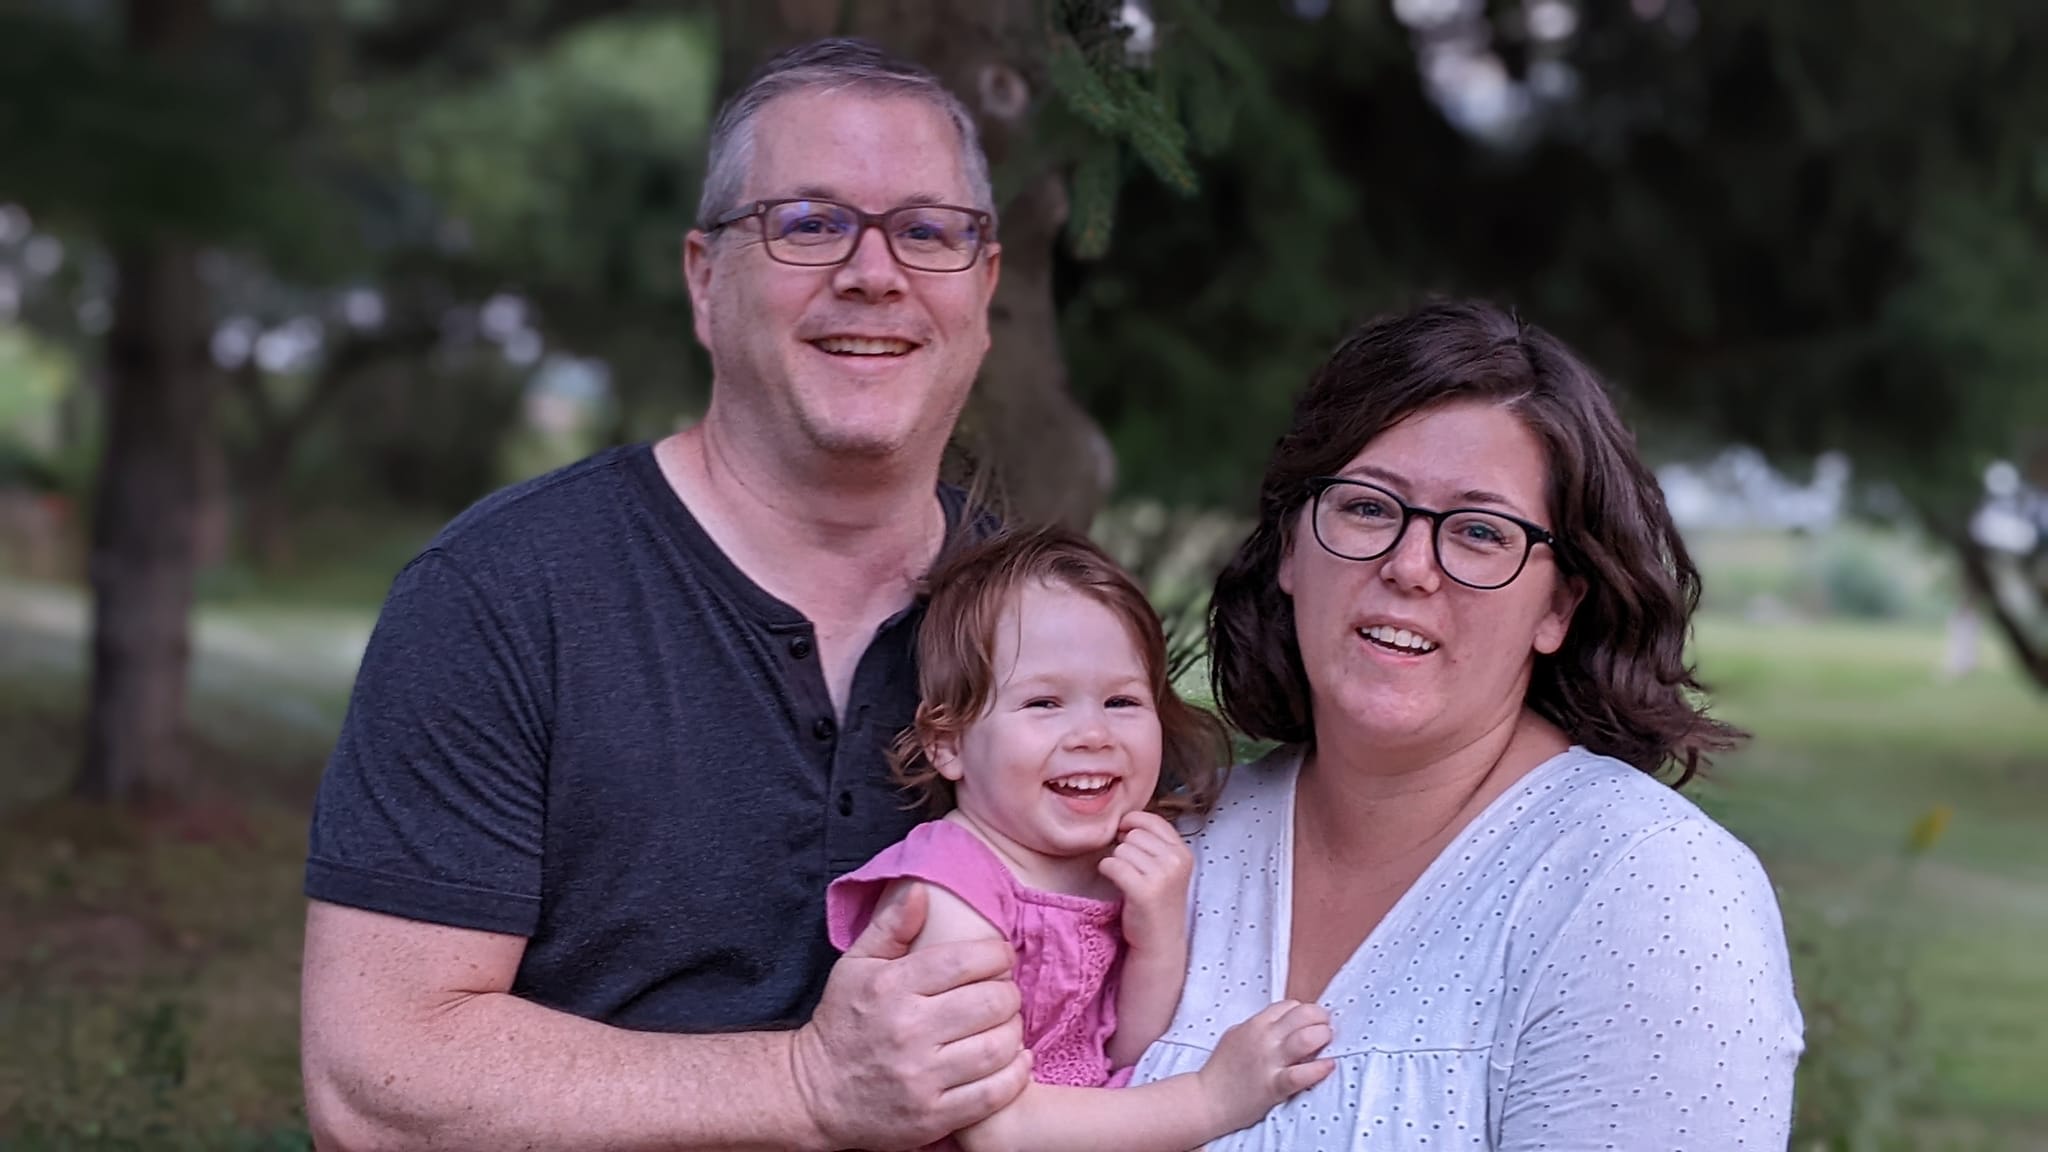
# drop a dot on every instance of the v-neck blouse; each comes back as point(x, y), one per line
point(1591, 964)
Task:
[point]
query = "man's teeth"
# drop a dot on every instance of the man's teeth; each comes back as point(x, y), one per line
point(1082, 785)
point(1398, 638)
point(862, 346)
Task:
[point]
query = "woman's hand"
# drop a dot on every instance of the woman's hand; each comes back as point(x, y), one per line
point(1151, 866)
point(1265, 1060)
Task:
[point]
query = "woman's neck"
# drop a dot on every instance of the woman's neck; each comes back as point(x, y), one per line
point(1372, 806)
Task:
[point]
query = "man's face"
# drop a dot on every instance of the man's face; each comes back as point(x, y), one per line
point(867, 358)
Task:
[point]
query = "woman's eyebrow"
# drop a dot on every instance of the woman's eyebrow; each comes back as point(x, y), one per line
point(1398, 481)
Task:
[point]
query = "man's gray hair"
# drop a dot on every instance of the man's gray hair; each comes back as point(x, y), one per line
point(830, 65)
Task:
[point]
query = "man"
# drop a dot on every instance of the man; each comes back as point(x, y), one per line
point(618, 726)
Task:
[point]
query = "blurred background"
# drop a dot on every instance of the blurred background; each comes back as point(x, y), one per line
point(284, 284)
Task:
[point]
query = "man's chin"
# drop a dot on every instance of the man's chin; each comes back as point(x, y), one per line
point(860, 444)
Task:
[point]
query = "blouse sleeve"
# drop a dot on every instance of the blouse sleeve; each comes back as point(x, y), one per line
point(1663, 1017)
point(936, 852)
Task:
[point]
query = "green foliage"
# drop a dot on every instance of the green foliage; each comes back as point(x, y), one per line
point(36, 378)
point(1787, 226)
point(1093, 208)
point(571, 168)
point(1867, 1069)
point(1860, 581)
point(120, 147)
point(132, 1101)
point(1082, 87)
point(1159, 110)
point(1849, 571)
point(1914, 951)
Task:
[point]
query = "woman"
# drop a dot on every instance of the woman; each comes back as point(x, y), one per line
point(1463, 614)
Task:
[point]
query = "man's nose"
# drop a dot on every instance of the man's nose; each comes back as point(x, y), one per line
point(872, 271)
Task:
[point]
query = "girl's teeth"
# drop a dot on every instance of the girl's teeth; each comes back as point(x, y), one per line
point(1082, 784)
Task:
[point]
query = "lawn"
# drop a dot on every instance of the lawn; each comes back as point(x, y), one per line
point(1858, 739)
point(148, 964)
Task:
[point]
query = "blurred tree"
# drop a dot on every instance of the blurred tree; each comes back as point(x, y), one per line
point(1797, 227)
point(209, 151)
point(1802, 228)
point(159, 405)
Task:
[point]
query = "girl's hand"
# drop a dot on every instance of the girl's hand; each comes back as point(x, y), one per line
point(1151, 866)
point(1265, 1060)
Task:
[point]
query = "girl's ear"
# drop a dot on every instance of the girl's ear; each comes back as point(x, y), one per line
point(943, 750)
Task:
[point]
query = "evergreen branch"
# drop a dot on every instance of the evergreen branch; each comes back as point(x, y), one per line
point(1083, 90)
point(1093, 197)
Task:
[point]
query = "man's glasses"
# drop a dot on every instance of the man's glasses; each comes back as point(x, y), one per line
point(1478, 548)
point(821, 233)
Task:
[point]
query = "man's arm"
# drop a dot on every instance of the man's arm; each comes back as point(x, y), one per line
point(412, 1039)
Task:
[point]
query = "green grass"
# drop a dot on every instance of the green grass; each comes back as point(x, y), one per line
point(148, 964)
point(1857, 738)
point(149, 961)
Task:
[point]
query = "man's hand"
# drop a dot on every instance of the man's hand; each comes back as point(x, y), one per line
point(905, 1048)
point(1151, 866)
point(1265, 1060)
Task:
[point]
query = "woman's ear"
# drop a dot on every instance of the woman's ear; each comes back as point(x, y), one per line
point(1556, 623)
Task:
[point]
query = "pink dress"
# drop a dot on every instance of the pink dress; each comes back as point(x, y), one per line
point(1069, 948)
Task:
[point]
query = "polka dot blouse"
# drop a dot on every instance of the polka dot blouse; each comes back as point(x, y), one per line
point(1591, 965)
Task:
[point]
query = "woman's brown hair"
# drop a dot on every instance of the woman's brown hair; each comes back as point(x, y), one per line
point(956, 672)
point(1619, 684)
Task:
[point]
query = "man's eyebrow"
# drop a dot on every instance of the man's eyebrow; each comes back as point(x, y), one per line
point(822, 192)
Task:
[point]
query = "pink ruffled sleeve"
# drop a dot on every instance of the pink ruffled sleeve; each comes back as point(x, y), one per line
point(937, 852)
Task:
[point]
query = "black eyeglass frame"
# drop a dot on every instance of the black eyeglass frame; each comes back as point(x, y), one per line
point(1537, 534)
point(759, 210)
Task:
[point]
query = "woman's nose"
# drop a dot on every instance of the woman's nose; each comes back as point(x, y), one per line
point(1412, 563)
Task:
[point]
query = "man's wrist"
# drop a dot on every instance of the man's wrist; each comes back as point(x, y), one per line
point(800, 1066)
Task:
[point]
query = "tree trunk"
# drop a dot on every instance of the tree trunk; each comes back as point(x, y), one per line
point(158, 413)
point(1043, 458)
point(2029, 648)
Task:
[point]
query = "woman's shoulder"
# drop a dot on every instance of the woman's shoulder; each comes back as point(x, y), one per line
point(1609, 830)
point(1255, 798)
point(1599, 804)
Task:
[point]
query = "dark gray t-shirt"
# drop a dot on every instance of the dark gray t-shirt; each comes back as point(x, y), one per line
point(577, 722)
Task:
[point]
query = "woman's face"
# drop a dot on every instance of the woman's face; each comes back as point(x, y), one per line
point(1464, 665)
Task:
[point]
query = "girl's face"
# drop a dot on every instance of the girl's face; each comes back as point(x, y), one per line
point(1070, 742)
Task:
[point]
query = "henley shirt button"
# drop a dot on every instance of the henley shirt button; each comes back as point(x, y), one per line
point(800, 647)
point(823, 728)
point(846, 803)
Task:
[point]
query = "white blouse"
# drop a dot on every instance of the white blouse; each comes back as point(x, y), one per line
point(1592, 964)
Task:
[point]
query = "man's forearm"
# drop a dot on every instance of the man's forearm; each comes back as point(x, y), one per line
point(492, 1071)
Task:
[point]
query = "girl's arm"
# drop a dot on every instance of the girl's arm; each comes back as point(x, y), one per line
point(1151, 867)
point(1256, 1065)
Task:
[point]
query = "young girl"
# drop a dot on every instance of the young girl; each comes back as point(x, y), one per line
point(1050, 740)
